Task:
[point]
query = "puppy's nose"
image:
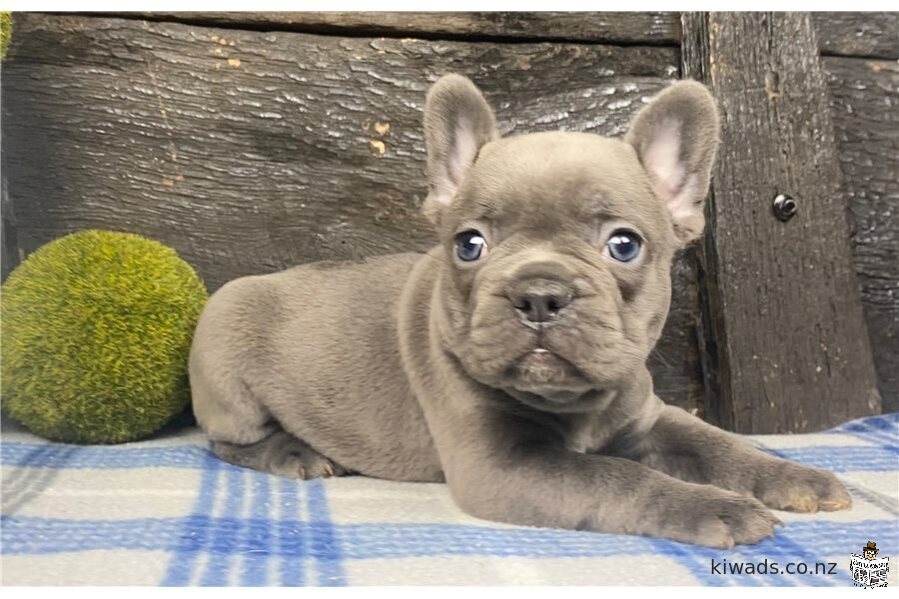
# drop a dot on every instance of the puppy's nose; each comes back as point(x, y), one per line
point(539, 300)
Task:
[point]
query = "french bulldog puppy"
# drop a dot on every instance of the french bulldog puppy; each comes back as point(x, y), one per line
point(510, 360)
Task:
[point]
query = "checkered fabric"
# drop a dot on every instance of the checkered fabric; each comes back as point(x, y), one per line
point(167, 512)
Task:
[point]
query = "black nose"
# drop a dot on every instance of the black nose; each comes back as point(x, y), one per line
point(539, 300)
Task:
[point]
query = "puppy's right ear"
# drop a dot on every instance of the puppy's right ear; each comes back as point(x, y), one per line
point(458, 122)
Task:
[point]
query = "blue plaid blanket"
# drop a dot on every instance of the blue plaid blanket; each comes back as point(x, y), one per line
point(166, 512)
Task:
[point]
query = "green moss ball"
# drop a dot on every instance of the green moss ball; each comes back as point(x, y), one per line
point(96, 331)
point(5, 32)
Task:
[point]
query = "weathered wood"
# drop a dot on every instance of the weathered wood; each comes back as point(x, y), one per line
point(252, 151)
point(8, 245)
point(872, 34)
point(865, 108)
point(614, 27)
point(840, 33)
point(788, 347)
point(675, 362)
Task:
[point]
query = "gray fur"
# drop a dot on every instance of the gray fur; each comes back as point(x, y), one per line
point(423, 368)
point(458, 122)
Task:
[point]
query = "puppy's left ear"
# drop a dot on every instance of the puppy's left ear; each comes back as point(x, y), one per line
point(458, 122)
point(676, 139)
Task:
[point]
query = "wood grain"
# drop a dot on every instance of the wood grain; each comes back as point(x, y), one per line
point(871, 34)
point(251, 151)
point(868, 34)
point(788, 348)
point(609, 27)
point(8, 253)
point(865, 108)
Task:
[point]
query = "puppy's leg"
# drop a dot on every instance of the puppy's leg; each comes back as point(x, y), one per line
point(503, 467)
point(242, 430)
point(244, 434)
point(684, 446)
point(280, 453)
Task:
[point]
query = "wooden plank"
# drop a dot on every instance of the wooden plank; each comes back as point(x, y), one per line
point(8, 245)
point(675, 361)
point(864, 100)
point(840, 33)
point(614, 27)
point(788, 347)
point(252, 151)
point(872, 34)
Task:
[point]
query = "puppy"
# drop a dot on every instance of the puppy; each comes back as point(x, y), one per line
point(510, 360)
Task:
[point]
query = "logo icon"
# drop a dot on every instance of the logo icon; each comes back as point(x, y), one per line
point(867, 569)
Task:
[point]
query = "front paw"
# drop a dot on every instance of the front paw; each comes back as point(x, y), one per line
point(707, 515)
point(784, 485)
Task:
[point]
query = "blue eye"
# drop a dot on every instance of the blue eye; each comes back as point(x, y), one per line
point(470, 245)
point(624, 246)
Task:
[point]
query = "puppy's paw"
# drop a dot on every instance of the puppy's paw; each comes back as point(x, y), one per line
point(281, 454)
point(787, 486)
point(305, 463)
point(717, 518)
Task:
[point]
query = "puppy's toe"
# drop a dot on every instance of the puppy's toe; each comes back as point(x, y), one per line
point(797, 488)
point(713, 532)
point(281, 454)
point(722, 519)
point(749, 520)
point(305, 464)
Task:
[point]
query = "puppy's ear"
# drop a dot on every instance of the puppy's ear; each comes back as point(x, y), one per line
point(676, 139)
point(457, 121)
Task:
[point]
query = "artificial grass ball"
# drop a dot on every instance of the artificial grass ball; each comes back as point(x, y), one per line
point(5, 32)
point(96, 332)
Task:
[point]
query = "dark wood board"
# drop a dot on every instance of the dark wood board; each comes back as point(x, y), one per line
point(8, 245)
point(788, 347)
point(870, 34)
point(252, 151)
point(609, 27)
point(865, 107)
point(675, 363)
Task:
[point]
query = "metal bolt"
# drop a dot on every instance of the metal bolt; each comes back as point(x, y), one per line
point(785, 207)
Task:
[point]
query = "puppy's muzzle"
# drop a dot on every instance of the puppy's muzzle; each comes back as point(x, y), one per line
point(539, 301)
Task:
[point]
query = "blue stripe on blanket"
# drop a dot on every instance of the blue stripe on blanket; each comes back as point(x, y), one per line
point(260, 538)
point(834, 458)
point(226, 538)
point(59, 456)
point(842, 459)
point(882, 430)
point(291, 540)
point(888, 424)
point(253, 539)
point(194, 534)
point(325, 546)
point(30, 535)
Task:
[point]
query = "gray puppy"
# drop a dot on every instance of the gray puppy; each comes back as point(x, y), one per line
point(510, 360)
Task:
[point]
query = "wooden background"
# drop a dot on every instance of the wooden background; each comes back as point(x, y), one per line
point(782, 314)
point(252, 142)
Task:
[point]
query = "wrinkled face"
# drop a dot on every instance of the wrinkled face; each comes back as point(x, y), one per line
point(557, 266)
point(558, 246)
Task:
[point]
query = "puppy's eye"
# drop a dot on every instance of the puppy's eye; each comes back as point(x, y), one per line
point(624, 245)
point(470, 246)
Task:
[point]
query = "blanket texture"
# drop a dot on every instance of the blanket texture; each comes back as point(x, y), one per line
point(167, 512)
